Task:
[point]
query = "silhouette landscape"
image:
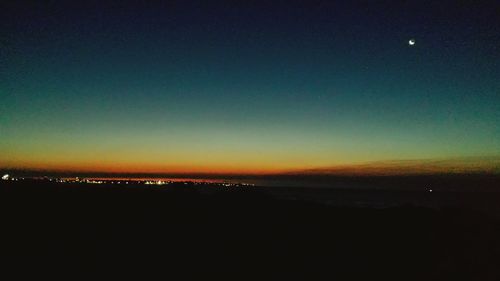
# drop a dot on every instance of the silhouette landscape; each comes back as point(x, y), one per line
point(250, 140)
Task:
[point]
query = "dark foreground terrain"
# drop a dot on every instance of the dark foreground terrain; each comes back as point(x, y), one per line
point(78, 230)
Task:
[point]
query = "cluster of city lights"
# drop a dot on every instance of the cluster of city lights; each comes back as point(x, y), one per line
point(7, 177)
point(159, 182)
point(129, 181)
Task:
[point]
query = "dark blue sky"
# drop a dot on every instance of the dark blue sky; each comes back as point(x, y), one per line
point(246, 85)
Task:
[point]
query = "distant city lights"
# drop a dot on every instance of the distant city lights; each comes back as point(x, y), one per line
point(152, 182)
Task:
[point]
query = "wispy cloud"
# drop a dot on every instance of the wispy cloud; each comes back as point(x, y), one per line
point(464, 165)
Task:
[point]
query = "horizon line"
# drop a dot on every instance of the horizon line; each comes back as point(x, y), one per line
point(439, 166)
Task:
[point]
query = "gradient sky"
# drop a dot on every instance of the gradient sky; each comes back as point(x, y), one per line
point(246, 86)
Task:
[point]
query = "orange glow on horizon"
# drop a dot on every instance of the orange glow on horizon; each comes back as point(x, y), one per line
point(148, 168)
point(372, 168)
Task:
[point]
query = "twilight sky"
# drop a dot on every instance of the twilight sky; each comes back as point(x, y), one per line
point(246, 86)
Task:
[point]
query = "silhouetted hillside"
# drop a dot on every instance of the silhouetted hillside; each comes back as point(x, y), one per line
point(105, 231)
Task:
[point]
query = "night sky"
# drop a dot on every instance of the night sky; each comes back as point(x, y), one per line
point(246, 86)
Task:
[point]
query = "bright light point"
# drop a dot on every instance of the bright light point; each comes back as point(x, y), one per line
point(430, 190)
point(5, 177)
point(411, 42)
